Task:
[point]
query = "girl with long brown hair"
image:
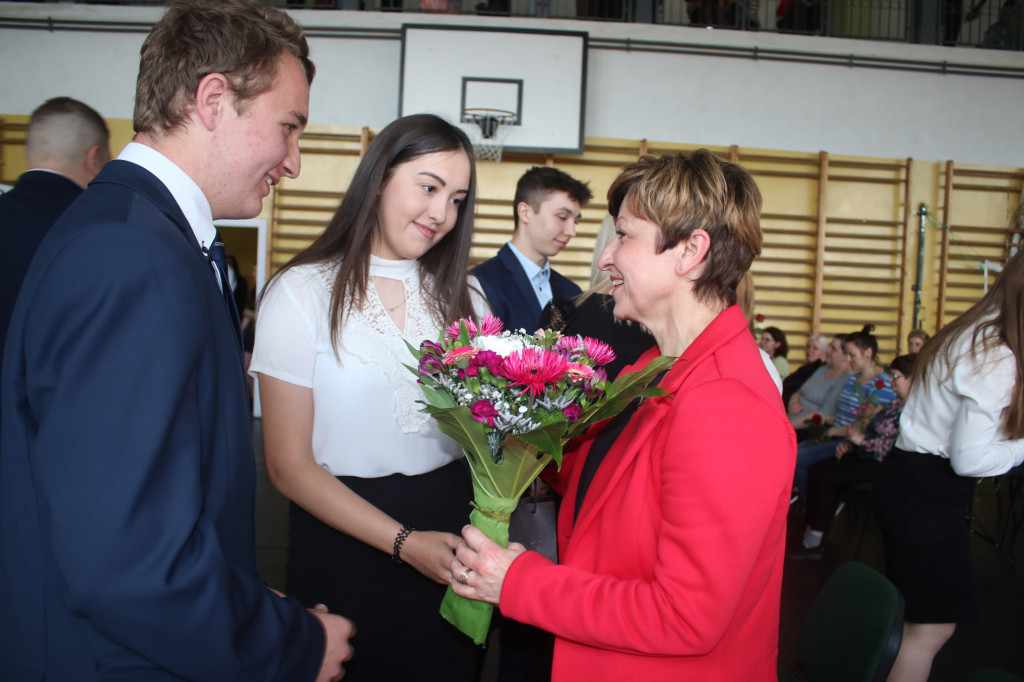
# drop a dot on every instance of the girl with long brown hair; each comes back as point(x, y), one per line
point(964, 419)
point(373, 483)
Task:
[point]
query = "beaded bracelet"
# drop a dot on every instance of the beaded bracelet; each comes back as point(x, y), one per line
point(399, 539)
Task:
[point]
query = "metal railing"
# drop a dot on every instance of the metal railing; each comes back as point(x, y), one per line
point(992, 24)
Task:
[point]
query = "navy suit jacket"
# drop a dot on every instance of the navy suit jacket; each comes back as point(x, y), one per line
point(127, 476)
point(510, 293)
point(27, 212)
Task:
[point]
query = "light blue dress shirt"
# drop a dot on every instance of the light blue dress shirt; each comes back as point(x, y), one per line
point(540, 277)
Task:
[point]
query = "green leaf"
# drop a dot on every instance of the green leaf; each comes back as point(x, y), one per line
point(463, 339)
point(547, 439)
point(458, 423)
point(439, 398)
point(622, 392)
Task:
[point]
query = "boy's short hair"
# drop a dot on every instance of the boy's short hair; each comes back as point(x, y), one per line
point(241, 39)
point(538, 183)
point(63, 128)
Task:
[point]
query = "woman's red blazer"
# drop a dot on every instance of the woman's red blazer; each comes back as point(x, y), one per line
point(673, 570)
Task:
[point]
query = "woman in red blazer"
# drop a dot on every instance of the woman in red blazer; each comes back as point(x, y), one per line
point(672, 528)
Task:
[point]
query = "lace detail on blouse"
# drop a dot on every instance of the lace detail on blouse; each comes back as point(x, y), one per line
point(372, 336)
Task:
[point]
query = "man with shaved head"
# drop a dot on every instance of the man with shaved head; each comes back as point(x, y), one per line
point(66, 145)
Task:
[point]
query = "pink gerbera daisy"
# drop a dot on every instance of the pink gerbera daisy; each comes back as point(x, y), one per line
point(569, 343)
point(598, 351)
point(454, 329)
point(491, 326)
point(534, 369)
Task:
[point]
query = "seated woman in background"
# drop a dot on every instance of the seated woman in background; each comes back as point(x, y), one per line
point(665, 572)
point(916, 339)
point(863, 396)
point(373, 483)
point(814, 357)
point(820, 394)
point(773, 342)
point(964, 419)
point(857, 460)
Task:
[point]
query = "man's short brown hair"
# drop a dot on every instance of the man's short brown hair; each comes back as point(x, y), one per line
point(540, 182)
point(241, 39)
point(680, 194)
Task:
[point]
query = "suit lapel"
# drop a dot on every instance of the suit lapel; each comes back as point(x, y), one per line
point(638, 436)
point(634, 439)
point(145, 183)
point(528, 299)
point(148, 185)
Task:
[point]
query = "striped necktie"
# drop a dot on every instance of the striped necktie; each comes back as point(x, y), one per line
point(219, 257)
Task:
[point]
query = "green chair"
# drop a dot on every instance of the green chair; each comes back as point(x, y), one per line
point(989, 675)
point(853, 631)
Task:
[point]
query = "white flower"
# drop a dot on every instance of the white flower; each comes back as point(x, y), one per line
point(502, 345)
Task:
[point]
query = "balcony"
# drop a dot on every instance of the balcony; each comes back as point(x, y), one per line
point(989, 24)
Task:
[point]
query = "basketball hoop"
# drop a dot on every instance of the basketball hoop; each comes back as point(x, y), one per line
point(488, 134)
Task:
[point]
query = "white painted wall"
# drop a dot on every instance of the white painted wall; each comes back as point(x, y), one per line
point(664, 97)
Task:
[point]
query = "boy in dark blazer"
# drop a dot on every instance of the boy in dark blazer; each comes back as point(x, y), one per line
point(127, 475)
point(519, 281)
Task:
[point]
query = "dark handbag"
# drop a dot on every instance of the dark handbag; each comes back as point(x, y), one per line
point(534, 521)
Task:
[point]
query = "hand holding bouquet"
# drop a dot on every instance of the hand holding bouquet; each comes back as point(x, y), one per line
point(512, 400)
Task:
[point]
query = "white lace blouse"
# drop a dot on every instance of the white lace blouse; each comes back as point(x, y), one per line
point(366, 420)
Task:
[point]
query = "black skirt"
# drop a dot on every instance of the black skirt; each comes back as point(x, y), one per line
point(400, 634)
point(922, 509)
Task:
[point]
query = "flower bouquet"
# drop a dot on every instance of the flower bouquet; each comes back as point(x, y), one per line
point(512, 400)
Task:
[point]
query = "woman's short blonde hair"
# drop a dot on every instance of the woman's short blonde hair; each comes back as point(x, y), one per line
point(680, 194)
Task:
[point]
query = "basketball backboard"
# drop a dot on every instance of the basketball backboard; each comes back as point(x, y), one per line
point(539, 76)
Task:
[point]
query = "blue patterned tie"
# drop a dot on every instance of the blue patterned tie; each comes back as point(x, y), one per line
point(219, 257)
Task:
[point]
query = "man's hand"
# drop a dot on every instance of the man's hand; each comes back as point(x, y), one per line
point(337, 650)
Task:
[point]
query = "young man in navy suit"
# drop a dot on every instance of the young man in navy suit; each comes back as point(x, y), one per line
point(519, 281)
point(127, 475)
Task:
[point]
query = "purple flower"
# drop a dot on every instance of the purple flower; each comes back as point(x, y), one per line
point(595, 387)
point(432, 347)
point(430, 366)
point(572, 413)
point(483, 411)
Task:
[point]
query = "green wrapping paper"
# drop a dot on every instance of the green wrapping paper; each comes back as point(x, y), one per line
point(472, 617)
point(504, 464)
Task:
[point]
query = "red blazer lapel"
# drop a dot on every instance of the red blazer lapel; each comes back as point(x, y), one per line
point(638, 436)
